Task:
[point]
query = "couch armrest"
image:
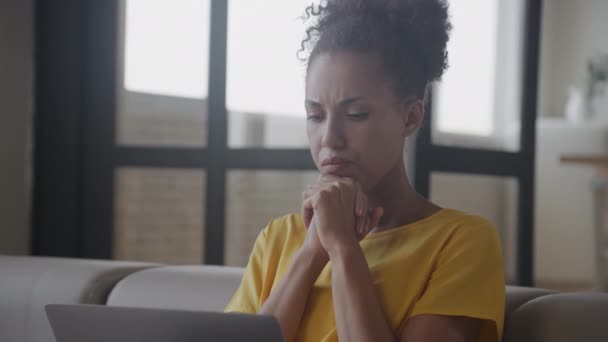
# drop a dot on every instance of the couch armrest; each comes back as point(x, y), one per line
point(561, 318)
point(27, 284)
point(206, 288)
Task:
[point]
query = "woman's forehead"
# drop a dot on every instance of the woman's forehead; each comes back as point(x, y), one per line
point(341, 75)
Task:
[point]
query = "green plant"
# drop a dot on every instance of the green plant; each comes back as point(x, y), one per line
point(597, 75)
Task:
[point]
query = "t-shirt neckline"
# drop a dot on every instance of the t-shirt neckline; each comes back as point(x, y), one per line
point(407, 226)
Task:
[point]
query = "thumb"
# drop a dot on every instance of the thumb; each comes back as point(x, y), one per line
point(307, 212)
point(376, 215)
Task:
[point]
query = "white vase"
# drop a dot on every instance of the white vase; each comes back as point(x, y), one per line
point(575, 111)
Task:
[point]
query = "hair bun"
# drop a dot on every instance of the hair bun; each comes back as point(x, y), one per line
point(405, 32)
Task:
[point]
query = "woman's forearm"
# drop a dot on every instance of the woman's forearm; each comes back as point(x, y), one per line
point(288, 300)
point(359, 314)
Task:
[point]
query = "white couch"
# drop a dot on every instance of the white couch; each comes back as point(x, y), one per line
point(27, 284)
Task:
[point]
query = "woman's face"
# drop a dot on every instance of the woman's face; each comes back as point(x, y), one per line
point(356, 125)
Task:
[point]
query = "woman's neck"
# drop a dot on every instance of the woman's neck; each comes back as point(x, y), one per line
point(401, 203)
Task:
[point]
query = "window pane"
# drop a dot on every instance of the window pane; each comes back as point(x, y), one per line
point(253, 199)
point(166, 47)
point(493, 198)
point(163, 72)
point(159, 215)
point(265, 79)
point(477, 103)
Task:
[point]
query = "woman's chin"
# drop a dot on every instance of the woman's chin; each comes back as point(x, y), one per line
point(343, 170)
point(341, 174)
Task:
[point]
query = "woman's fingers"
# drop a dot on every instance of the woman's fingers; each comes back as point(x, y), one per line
point(358, 217)
point(365, 228)
point(375, 217)
point(361, 203)
point(307, 211)
point(310, 190)
point(366, 218)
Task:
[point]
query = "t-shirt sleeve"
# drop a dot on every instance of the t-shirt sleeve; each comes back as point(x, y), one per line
point(246, 299)
point(468, 279)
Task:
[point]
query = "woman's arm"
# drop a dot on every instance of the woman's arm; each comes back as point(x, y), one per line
point(359, 315)
point(437, 328)
point(288, 300)
point(358, 311)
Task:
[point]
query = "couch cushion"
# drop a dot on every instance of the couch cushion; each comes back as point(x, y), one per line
point(27, 284)
point(561, 318)
point(207, 288)
point(518, 295)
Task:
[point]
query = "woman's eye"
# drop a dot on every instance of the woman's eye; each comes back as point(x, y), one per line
point(314, 117)
point(357, 116)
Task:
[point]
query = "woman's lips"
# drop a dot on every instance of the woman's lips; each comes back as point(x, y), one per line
point(337, 166)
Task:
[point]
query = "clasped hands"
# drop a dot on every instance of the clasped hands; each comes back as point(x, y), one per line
point(337, 215)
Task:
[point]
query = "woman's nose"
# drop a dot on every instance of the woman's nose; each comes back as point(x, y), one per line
point(333, 136)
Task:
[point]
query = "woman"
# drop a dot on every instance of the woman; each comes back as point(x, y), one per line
point(369, 259)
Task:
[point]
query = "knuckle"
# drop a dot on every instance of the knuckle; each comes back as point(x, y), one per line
point(324, 193)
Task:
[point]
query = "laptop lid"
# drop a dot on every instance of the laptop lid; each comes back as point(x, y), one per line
point(100, 323)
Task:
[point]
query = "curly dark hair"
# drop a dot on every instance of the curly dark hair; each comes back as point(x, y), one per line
point(409, 36)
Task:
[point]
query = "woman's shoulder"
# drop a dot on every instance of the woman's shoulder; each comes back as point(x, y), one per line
point(468, 224)
point(444, 223)
point(463, 231)
point(451, 221)
point(451, 226)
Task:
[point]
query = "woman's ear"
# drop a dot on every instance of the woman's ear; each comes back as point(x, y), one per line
point(412, 117)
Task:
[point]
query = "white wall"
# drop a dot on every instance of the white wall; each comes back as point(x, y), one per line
point(564, 220)
point(16, 89)
point(572, 31)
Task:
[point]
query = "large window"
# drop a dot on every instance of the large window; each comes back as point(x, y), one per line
point(164, 101)
point(163, 73)
point(477, 103)
point(166, 47)
point(265, 80)
point(182, 125)
point(163, 105)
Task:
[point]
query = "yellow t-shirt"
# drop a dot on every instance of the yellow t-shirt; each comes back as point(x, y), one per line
point(449, 263)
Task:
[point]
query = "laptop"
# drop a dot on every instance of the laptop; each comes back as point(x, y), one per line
point(100, 323)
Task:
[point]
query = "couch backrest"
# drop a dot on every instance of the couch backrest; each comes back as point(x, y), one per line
point(27, 284)
point(207, 288)
point(561, 318)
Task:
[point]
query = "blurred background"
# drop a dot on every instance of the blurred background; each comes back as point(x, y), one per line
point(174, 131)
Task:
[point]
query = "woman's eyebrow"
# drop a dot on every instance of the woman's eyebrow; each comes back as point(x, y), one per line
point(312, 103)
point(343, 102)
point(349, 100)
